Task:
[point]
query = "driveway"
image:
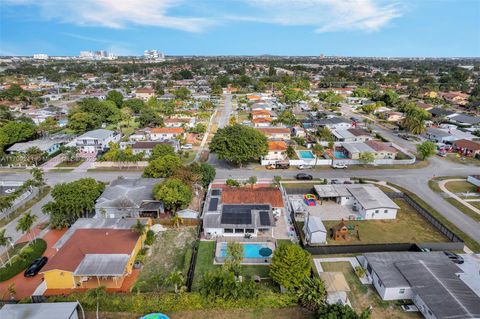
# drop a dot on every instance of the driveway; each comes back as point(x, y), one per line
point(26, 286)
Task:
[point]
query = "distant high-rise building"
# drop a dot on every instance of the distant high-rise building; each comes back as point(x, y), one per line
point(96, 55)
point(40, 56)
point(154, 55)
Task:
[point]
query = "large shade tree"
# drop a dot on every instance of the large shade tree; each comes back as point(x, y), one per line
point(174, 193)
point(239, 144)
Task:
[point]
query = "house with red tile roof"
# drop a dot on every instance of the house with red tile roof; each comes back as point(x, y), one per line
point(166, 133)
point(276, 151)
point(94, 253)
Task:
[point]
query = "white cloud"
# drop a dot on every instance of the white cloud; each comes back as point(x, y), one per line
point(117, 13)
point(326, 15)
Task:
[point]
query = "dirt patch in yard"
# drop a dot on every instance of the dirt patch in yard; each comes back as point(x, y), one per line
point(171, 251)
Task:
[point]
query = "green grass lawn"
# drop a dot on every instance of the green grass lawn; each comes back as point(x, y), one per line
point(362, 296)
point(462, 160)
point(170, 252)
point(467, 211)
point(204, 264)
point(70, 164)
point(188, 159)
point(457, 187)
point(408, 227)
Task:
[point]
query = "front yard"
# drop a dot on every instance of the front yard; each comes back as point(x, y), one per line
point(204, 264)
point(362, 296)
point(458, 187)
point(408, 227)
point(171, 251)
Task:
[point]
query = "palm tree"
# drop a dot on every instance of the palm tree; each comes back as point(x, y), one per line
point(25, 224)
point(318, 151)
point(176, 279)
point(37, 174)
point(139, 228)
point(11, 291)
point(5, 242)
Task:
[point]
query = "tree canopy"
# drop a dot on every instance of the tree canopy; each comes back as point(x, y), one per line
point(239, 144)
point(174, 194)
point(290, 266)
point(71, 201)
point(426, 149)
point(164, 166)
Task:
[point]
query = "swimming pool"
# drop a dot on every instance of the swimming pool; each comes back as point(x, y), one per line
point(306, 155)
point(249, 250)
point(339, 154)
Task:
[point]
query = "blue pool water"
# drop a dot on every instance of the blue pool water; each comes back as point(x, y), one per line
point(306, 154)
point(249, 250)
point(339, 154)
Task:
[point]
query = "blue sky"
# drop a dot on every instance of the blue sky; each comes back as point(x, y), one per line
point(242, 27)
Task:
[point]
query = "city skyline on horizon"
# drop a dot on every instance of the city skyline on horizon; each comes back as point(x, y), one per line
point(349, 28)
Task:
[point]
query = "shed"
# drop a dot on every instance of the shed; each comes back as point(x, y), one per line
point(314, 230)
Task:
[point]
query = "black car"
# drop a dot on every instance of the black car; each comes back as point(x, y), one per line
point(304, 177)
point(454, 257)
point(35, 266)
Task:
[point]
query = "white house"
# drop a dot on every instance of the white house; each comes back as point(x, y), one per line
point(314, 230)
point(179, 122)
point(430, 279)
point(365, 200)
point(166, 133)
point(276, 151)
point(95, 141)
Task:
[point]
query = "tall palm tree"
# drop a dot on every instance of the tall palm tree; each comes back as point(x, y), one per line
point(5, 242)
point(176, 279)
point(318, 151)
point(25, 224)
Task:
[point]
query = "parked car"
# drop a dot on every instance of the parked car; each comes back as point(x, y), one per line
point(442, 154)
point(409, 308)
point(305, 167)
point(35, 266)
point(278, 166)
point(304, 177)
point(186, 146)
point(454, 257)
point(339, 166)
point(334, 181)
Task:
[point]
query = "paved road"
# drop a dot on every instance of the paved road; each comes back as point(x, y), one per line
point(222, 122)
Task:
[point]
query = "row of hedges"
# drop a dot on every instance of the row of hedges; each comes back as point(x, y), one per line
point(21, 261)
point(154, 302)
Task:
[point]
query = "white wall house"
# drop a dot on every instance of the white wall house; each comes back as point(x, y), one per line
point(95, 141)
point(166, 133)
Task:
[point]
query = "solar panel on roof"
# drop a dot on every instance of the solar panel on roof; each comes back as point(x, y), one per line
point(216, 192)
point(237, 218)
point(264, 218)
point(212, 206)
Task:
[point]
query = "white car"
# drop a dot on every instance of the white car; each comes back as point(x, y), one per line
point(186, 147)
point(339, 165)
point(305, 167)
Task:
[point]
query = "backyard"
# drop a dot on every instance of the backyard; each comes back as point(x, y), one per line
point(205, 256)
point(362, 296)
point(170, 252)
point(408, 227)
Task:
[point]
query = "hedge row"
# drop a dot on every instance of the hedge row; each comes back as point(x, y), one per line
point(21, 261)
point(155, 302)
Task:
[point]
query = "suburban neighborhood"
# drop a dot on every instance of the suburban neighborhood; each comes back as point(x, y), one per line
point(238, 186)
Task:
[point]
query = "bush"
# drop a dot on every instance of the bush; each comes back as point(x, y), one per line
point(21, 261)
point(150, 238)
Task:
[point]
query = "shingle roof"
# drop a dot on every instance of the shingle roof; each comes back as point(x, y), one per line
point(46, 310)
point(471, 145)
point(127, 193)
point(100, 134)
point(381, 146)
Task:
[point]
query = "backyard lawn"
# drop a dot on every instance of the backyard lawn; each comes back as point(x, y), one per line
point(408, 227)
point(362, 296)
point(205, 256)
point(171, 251)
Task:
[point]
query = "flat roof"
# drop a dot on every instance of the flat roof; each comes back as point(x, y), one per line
point(446, 295)
point(47, 310)
point(383, 264)
point(357, 147)
point(102, 265)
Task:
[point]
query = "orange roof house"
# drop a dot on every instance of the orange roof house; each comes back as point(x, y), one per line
point(277, 146)
point(167, 130)
point(264, 195)
point(93, 257)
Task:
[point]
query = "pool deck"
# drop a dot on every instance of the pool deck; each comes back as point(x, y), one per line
point(219, 260)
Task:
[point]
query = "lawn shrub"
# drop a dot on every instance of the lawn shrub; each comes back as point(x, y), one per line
point(21, 261)
point(150, 238)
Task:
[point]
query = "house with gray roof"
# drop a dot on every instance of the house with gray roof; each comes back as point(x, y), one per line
point(127, 197)
point(366, 201)
point(46, 310)
point(95, 141)
point(430, 279)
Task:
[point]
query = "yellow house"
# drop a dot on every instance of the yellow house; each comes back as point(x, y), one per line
point(90, 258)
